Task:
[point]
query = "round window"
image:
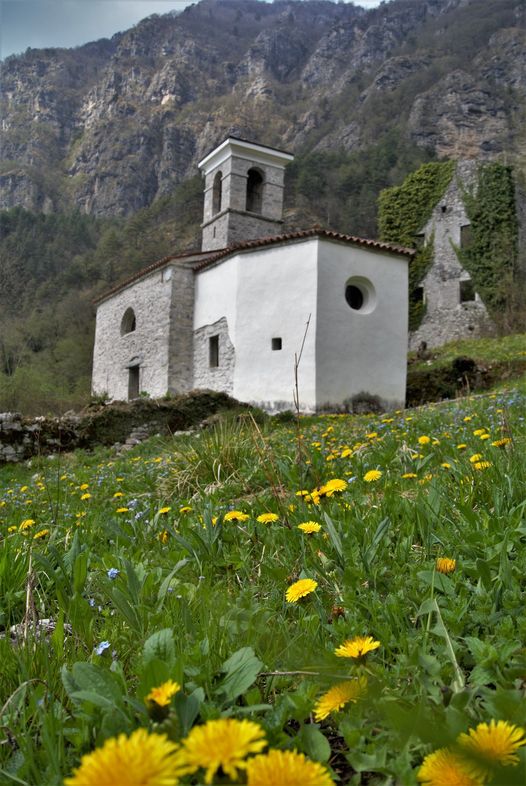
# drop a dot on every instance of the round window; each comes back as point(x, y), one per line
point(360, 294)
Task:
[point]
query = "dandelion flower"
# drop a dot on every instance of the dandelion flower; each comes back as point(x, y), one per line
point(372, 475)
point(334, 485)
point(424, 440)
point(357, 647)
point(26, 524)
point(164, 536)
point(480, 465)
point(162, 695)
point(236, 515)
point(408, 475)
point(141, 759)
point(493, 744)
point(475, 457)
point(286, 768)
point(85, 496)
point(500, 443)
point(462, 446)
point(445, 768)
point(122, 510)
point(40, 534)
point(299, 589)
point(222, 744)
point(309, 527)
point(166, 509)
point(445, 565)
point(185, 509)
point(267, 518)
point(338, 696)
point(479, 432)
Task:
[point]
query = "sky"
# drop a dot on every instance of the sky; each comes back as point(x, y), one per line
point(42, 23)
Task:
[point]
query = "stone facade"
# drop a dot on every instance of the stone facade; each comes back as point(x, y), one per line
point(453, 310)
point(208, 375)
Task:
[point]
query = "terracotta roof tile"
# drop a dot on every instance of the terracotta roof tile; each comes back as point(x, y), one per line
point(248, 245)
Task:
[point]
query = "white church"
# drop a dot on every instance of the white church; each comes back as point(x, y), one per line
point(234, 316)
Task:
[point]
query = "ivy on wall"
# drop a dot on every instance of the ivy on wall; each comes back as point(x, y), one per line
point(403, 212)
point(490, 257)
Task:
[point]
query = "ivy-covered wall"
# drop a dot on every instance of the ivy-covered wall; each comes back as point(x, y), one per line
point(491, 255)
point(403, 212)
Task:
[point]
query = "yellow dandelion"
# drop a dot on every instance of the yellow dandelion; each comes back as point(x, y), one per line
point(141, 759)
point(13, 528)
point(84, 486)
point(85, 496)
point(333, 486)
point(302, 493)
point(424, 440)
point(445, 565)
point(357, 647)
point(445, 768)
point(162, 695)
point(485, 436)
point(41, 534)
point(338, 696)
point(118, 494)
point(445, 465)
point(480, 465)
point(223, 743)
point(122, 510)
point(462, 446)
point(467, 418)
point(475, 457)
point(479, 431)
point(286, 768)
point(372, 476)
point(408, 475)
point(490, 745)
point(347, 453)
point(372, 435)
point(236, 515)
point(164, 536)
point(309, 527)
point(167, 509)
point(299, 589)
point(185, 509)
point(26, 524)
point(500, 443)
point(267, 518)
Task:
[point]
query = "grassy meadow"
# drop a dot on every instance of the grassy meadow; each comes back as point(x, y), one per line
point(339, 600)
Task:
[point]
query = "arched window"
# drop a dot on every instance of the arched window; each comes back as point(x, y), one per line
point(128, 322)
point(217, 193)
point(254, 191)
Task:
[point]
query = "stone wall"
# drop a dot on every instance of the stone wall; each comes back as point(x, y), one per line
point(220, 377)
point(181, 331)
point(21, 438)
point(446, 318)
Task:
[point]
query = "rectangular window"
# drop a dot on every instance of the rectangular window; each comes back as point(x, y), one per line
point(419, 295)
point(277, 343)
point(467, 291)
point(465, 235)
point(133, 382)
point(213, 351)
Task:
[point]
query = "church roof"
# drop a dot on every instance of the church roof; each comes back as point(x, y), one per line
point(303, 234)
point(200, 260)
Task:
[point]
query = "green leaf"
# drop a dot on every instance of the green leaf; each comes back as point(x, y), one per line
point(334, 536)
point(187, 708)
point(96, 680)
point(313, 743)
point(241, 670)
point(160, 646)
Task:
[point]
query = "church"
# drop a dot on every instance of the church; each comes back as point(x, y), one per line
point(255, 305)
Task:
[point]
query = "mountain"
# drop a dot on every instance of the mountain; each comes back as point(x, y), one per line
point(99, 144)
point(111, 126)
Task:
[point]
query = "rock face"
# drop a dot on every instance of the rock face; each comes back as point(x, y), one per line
point(112, 125)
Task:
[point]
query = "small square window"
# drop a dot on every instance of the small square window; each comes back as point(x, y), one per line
point(213, 351)
point(443, 208)
point(277, 343)
point(419, 295)
point(467, 291)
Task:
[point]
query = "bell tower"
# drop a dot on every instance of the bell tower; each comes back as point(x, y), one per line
point(243, 193)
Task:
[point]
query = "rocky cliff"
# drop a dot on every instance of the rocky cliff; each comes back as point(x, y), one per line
point(113, 125)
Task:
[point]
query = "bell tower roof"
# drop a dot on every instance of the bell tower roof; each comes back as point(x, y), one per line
point(242, 148)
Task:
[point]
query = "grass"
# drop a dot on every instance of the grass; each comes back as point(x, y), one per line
point(150, 571)
point(482, 350)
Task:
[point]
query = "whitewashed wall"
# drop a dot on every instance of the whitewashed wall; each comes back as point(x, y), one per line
point(150, 298)
point(276, 295)
point(361, 351)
